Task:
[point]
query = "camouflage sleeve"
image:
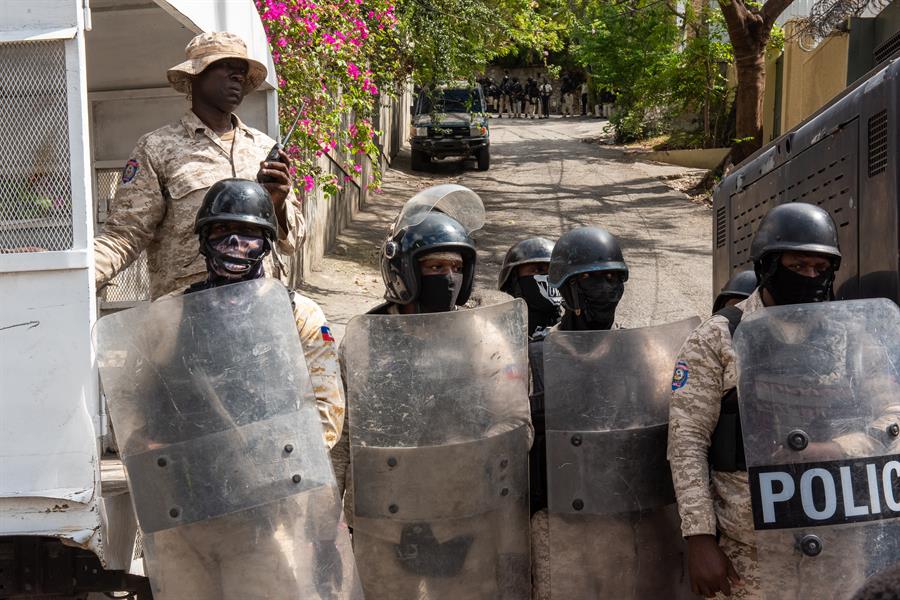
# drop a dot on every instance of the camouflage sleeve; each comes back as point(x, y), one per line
point(137, 210)
point(340, 454)
point(295, 228)
point(322, 360)
point(693, 414)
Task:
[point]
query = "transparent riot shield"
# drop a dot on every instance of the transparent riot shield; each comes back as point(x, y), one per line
point(439, 437)
point(819, 394)
point(614, 527)
point(215, 419)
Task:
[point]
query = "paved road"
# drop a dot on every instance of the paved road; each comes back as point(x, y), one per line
point(544, 180)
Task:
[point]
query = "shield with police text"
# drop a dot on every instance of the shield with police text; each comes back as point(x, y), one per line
point(819, 395)
point(614, 527)
point(219, 432)
point(439, 434)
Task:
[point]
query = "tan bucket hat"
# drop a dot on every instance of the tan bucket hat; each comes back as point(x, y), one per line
point(206, 49)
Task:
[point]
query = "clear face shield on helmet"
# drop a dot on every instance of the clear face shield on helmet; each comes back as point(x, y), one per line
point(456, 201)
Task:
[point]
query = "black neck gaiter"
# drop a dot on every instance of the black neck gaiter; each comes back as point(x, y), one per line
point(591, 303)
point(438, 293)
point(542, 300)
point(789, 287)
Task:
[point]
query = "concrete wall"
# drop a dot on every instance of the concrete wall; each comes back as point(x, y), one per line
point(811, 79)
point(770, 125)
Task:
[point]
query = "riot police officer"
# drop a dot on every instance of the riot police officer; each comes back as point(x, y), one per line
point(588, 270)
point(524, 275)
point(219, 362)
point(237, 228)
point(440, 397)
point(795, 255)
point(736, 289)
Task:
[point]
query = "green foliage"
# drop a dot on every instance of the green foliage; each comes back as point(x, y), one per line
point(659, 67)
point(628, 51)
point(334, 59)
point(448, 40)
point(776, 41)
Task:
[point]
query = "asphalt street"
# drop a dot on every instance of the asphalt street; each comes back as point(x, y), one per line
point(544, 180)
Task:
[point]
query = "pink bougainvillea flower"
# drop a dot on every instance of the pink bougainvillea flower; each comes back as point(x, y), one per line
point(357, 168)
point(353, 70)
point(309, 183)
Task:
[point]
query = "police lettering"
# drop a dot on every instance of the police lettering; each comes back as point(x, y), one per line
point(825, 493)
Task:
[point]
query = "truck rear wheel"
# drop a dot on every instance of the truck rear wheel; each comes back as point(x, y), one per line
point(419, 161)
point(484, 159)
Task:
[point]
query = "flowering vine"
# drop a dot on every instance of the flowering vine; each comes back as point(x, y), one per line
point(335, 58)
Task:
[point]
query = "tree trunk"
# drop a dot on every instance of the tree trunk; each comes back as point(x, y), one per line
point(751, 89)
point(749, 30)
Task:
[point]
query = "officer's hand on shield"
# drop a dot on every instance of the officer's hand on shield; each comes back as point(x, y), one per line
point(710, 570)
point(277, 177)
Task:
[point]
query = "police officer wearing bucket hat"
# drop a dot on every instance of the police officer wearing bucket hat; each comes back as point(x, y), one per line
point(163, 183)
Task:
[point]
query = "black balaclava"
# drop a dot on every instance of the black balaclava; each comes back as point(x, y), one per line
point(789, 287)
point(438, 293)
point(542, 299)
point(591, 302)
point(232, 257)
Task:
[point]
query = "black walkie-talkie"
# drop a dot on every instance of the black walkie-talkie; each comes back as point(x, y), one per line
point(274, 154)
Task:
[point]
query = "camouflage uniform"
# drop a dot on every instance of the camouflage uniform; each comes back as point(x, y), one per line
point(721, 501)
point(322, 361)
point(160, 191)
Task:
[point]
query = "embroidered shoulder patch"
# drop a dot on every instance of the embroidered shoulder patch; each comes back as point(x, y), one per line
point(326, 334)
point(680, 377)
point(131, 170)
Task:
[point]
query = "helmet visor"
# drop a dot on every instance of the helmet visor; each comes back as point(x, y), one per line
point(457, 202)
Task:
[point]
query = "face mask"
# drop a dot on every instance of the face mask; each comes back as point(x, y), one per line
point(543, 301)
point(236, 256)
point(789, 287)
point(438, 293)
point(596, 298)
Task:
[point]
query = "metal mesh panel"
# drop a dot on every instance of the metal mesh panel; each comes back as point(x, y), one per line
point(35, 184)
point(131, 285)
point(107, 181)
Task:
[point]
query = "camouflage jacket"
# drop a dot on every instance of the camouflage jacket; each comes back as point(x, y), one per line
point(160, 191)
point(705, 370)
point(324, 369)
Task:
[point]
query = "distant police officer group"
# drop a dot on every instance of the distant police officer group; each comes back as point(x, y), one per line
point(532, 449)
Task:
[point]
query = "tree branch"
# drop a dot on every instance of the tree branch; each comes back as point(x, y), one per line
point(771, 10)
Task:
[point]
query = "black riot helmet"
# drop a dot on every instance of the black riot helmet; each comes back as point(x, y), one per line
point(795, 227)
point(400, 256)
point(238, 201)
point(741, 285)
point(585, 250)
point(437, 219)
point(802, 228)
point(532, 250)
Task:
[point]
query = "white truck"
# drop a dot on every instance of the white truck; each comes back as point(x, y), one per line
point(81, 82)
